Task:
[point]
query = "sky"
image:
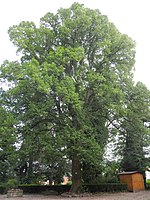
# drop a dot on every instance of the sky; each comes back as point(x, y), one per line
point(130, 17)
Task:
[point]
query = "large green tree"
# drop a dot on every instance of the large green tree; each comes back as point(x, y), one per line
point(134, 131)
point(68, 85)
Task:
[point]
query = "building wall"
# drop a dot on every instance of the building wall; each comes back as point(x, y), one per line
point(128, 180)
point(138, 182)
point(135, 182)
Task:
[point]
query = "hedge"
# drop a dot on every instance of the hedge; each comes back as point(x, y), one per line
point(106, 187)
point(37, 189)
point(2, 189)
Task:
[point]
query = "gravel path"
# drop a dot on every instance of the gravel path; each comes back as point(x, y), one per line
point(144, 195)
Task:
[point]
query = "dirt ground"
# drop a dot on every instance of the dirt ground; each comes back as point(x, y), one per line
point(144, 195)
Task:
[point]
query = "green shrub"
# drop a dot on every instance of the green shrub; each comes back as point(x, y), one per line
point(104, 179)
point(148, 184)
point(35, 189)
point(69, 183)
point(2, 189)
point(12, 184)
point(148, 181)
point(106, 187)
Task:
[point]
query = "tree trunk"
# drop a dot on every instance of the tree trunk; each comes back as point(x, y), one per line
point(76, 164)
point(76, 174)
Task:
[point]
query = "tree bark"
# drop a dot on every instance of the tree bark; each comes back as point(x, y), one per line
point(76, 164)
point(76, 174)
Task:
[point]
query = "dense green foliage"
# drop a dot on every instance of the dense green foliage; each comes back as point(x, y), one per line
point(148, 184)
point(66, 94)
point(2, 189)
point(134, 134)
point(107, 187)
point(35, 189)
point(59, 189)
point(7, 141)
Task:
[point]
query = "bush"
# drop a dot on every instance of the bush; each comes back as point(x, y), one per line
point(2, 189)
point(69, 183)
point(34, 189)
point(148, 181)
point(104, 179)
point(12, 184)
point(148, 184)
point(106, 187)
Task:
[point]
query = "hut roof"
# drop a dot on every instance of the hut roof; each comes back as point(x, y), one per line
point(131, 172)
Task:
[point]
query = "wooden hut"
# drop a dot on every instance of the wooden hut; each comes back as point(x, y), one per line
point(134, 180)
